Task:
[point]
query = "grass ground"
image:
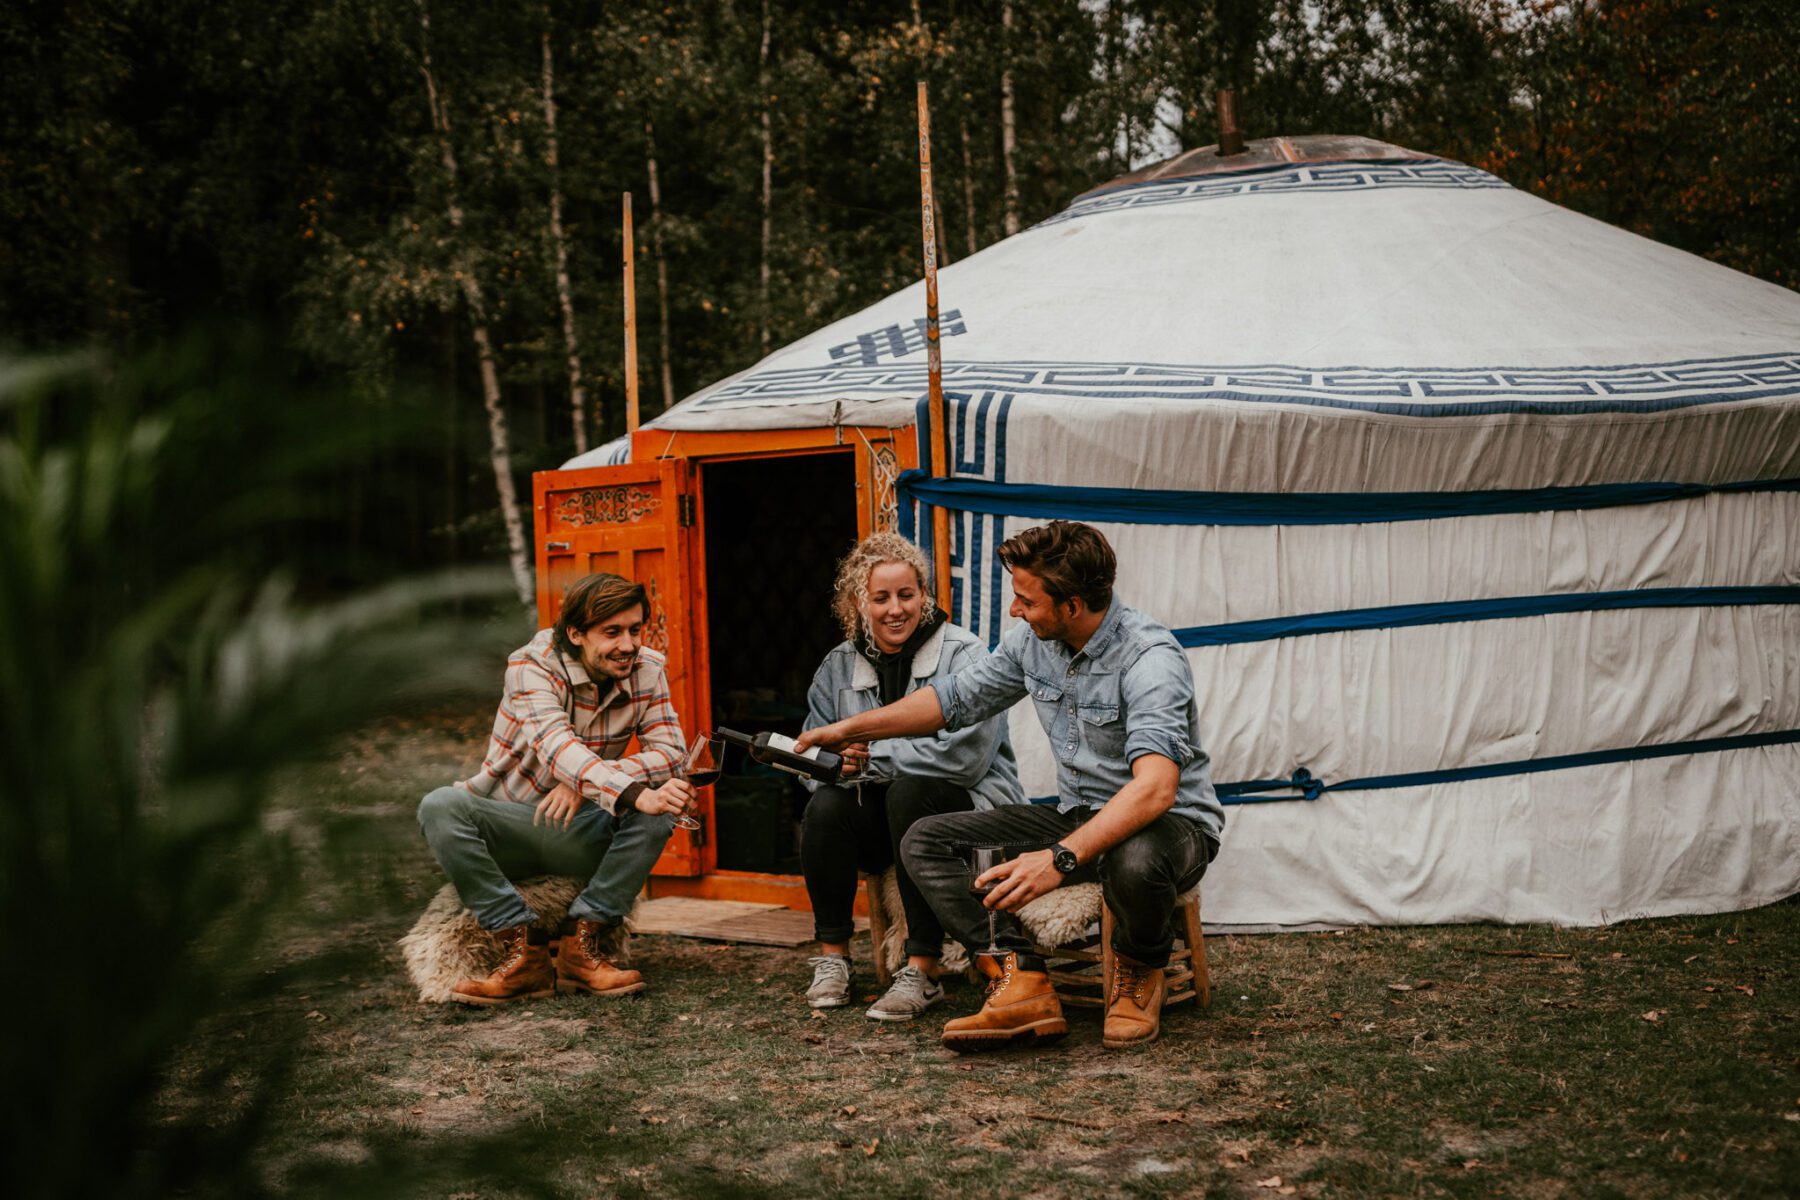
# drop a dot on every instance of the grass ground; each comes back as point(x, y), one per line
point(1655, 1058)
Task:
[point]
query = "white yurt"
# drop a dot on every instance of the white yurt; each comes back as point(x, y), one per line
point(1480, 519)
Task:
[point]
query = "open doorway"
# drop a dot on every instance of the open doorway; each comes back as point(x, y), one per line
point(775, 530)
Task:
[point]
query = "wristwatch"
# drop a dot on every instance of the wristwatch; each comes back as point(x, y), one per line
point(1063, 858)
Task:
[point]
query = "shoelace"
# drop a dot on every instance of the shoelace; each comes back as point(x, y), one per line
point(1124, 976)
point(1004, 978)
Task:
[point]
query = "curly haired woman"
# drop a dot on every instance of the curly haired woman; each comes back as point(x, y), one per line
point(896, 641)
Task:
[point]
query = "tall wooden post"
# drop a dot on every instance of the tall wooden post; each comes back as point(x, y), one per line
point(631, 368)
point(934, 359)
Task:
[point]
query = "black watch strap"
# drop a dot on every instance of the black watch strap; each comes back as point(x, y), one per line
point(1063, 858)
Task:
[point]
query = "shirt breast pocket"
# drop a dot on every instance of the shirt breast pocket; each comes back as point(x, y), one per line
point(851, 701)
point(1102, 720)
point(1047, 695)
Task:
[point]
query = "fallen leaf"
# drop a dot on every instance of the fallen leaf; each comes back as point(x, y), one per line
point(816, 1039)
point(1273, 1181)
point(849, 1110)
point(1731, 941)
point(1286, 1191)
point(1654, 1015)
point(1690, 958)
point(1709, 988)
point(1173, 1118)
point(1702, 1007)
point(872, 1147)
point(817, 1015)
point(1400, 987)
point(1746, 989)
point(653, 1119)
point(1424, 985)
point(315, 1015)
point(418, 1112)
point(1338, 1016)
point(1469, 1164)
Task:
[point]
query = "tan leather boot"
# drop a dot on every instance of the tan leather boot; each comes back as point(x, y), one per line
point(1020, 1008)
point(582, 966)
point(524, 973)
point(1134, 1011)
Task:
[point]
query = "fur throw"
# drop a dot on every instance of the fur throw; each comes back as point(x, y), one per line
point(446, 945)
point(1060, 916)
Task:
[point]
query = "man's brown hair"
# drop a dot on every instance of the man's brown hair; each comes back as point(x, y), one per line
point(590, 600)
point(1072, 559)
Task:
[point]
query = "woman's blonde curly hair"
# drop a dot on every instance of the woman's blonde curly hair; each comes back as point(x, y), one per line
point(853, 577)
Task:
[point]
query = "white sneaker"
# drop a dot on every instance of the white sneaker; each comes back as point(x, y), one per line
point(912, 993)
point(830, 983)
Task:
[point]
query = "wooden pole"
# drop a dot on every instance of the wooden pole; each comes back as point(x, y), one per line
point(631, 370)
point(934, 358)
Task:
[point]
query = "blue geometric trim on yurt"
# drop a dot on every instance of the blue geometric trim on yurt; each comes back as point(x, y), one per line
point(1396, 391)
point(1282, 179)
point(975, 444)
point(1406, 616)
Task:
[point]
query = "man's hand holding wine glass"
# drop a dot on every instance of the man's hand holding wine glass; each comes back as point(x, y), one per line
point(1018, 881)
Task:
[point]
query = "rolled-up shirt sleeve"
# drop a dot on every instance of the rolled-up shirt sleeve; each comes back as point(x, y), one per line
point(1158, 691)
point(981, 689)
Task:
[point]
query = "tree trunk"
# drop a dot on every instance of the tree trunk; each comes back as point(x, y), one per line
point(662, 273)
point(564, 293)
point(500, 452)
point(1008, 131)
point(768, 178)
point(968, 187)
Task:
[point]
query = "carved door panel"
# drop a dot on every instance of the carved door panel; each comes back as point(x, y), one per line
point(634, 520)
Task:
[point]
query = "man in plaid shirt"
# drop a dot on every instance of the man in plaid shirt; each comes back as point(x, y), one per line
point(558, 795)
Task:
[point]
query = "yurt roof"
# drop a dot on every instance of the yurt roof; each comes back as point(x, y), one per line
point(1335, 279)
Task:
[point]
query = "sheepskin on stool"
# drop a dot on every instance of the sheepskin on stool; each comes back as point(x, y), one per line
point(446, 945)
point(1051, 920)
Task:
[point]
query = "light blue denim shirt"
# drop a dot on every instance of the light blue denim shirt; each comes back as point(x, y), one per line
point(1129, 692)
point(979, 757)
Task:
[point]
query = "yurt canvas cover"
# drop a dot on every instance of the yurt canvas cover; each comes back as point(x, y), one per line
point(1480, 519)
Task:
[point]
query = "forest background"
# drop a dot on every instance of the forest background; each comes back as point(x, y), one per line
point(417, 202)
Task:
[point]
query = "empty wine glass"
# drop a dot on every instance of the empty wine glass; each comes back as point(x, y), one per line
point(983, 859)
point(705, 759)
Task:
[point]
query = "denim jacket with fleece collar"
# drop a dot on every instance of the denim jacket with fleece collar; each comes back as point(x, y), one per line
point(978, 757)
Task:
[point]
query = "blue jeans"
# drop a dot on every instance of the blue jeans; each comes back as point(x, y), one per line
point(483, 845)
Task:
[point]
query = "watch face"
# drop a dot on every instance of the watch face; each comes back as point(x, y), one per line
point(1065, 861)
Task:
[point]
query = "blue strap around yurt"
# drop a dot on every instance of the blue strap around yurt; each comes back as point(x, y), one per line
point(1303, 785)
point(1131, 506)
point(1403, 616)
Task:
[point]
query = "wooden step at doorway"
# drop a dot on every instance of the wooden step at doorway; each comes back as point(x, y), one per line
point(727, 921)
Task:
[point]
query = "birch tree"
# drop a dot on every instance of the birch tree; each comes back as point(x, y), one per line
point(560, 247)
point(499, 448)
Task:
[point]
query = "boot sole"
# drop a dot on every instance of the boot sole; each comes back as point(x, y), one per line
point(1128, 1043)
point(1040, 1033)
point(569, 987)
point(492, 1001)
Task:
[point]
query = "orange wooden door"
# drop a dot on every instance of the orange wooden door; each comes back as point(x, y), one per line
point(637, 521)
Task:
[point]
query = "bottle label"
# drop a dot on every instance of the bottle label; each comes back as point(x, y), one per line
point(778, 742)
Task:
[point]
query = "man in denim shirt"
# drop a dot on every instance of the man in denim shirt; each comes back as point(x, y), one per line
point(1135, 798)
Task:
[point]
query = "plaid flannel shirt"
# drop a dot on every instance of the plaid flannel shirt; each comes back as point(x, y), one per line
point(556, 725)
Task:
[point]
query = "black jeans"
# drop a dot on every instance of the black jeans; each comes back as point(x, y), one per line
point(841, 836)
point(1140, 877)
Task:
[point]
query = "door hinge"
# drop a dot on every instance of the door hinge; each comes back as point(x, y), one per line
point(684, 510)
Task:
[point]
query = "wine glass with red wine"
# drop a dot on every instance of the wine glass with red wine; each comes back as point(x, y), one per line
point(983, 859)
point(705, 759)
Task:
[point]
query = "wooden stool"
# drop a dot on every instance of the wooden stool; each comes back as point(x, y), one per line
point(1082, 972)
point(879, 921)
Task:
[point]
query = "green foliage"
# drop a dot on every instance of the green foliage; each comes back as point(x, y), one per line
point(156, 670)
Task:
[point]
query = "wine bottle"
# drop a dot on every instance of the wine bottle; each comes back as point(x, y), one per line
point(778, 752)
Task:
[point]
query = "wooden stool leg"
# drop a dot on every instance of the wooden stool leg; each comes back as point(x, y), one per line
point(1106, 955)
point(878, 927)
point(1195, 935)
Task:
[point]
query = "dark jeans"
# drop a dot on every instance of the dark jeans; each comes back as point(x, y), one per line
point(1140, 877)
point(841, 836)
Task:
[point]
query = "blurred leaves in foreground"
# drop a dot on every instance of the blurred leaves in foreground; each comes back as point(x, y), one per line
point(156, 670)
